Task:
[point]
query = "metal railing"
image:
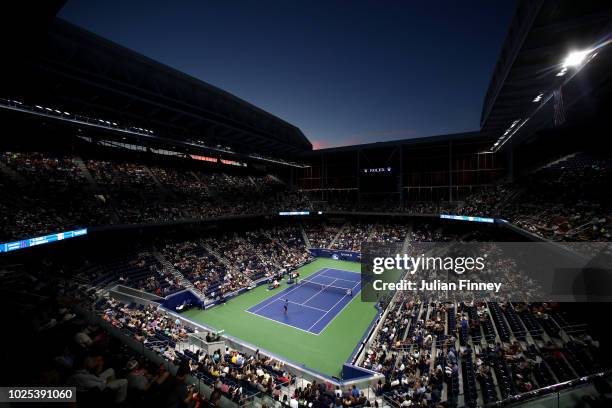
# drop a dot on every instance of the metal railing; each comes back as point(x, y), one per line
point(557, 395)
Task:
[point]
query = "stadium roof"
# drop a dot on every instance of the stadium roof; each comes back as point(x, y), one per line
point(519, 100)
point(465, 136)
point(85, 73)
point(77, 71)
point(533, 61)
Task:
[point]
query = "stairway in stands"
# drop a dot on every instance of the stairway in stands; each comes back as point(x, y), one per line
point(406, 242)
point(340, 231)
point(168, 267)
point(280, 241)
point(165, 192)
point(96, 189)
point(511, 196)
point(265, 259)
point(86, 174)
point(222, 259)
point(305, 237)
point(538, 337)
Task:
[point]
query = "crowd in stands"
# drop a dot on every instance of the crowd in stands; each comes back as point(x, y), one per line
point(47, 192)
point(388, 233)
point(321, 234)
point(44, 193)
point(139, 270)
point(106, 372)
point(216, 265)
point(452, 353)
point(262, 253)
point(132, 191)
point(197, 193)
point(566, 200)
point(289, 238)
point(228, 262)
point(66, 348)
point(429, 352)
point(351, 236)
point(223, 263)
point(236, 248)
point(424, 348)
point(203, 269)
point(169, 193)
point(230, 373)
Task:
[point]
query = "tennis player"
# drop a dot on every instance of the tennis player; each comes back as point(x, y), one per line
point(286, 305)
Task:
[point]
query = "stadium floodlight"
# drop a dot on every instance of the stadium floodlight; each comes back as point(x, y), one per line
point(575, 58)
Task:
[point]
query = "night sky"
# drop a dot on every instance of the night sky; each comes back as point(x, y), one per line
point(344, 72)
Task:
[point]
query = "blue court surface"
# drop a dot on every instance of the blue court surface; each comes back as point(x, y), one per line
point(313, 302)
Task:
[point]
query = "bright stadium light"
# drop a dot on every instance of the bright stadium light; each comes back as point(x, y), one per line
point(575, 58)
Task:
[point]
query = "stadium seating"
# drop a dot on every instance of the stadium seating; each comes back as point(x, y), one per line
point(138, 270)
point(459, 353)
point(500, 369)
point(65, 192)
point(564, 200)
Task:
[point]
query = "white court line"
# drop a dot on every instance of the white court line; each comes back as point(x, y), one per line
point(296, 303)
point(266, 303)
point(278, 295)
point(332, 308)
point(348, 280)
point(342, 279)
point(325, 287)
point(310, 307)
point(326, 312)
point(284, 324)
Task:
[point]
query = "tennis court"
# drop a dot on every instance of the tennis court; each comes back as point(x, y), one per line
point(313, 303)
point(324, 353)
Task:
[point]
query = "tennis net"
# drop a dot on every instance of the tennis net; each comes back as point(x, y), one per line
point(322, 286)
